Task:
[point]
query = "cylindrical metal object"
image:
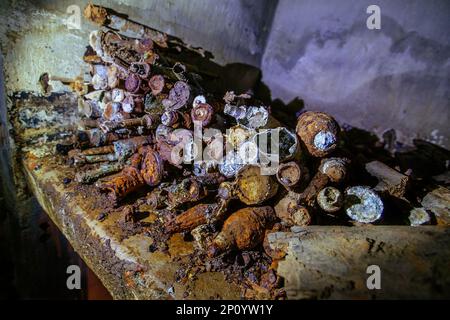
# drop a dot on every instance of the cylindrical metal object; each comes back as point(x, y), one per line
point(319, 132)
point(330, 199)
point(253, 188)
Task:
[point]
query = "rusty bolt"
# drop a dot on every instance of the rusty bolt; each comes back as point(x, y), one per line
point(178, 96)
point(128, 104)
point(117, 95)
point(129, 180)
point(198, 100)
point(289, 174)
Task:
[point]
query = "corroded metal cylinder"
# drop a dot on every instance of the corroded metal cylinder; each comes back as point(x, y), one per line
point(330, 199)
point(319, 132)
point(152, 168)
point(291, 213)
point(362, 204)
point(253, 188)
point(243, 230)
point(289, 174)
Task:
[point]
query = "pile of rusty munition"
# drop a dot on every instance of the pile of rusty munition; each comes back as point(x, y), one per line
point(148, 125)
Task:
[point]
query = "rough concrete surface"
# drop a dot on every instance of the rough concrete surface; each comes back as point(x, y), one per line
point(396, 77)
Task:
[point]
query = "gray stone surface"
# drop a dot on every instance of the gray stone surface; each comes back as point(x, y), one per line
point(396, 77)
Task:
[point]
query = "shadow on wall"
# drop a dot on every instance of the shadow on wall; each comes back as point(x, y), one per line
point(376, 79)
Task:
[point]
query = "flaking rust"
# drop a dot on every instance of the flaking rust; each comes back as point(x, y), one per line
point(137, 140)
point(243, 230)
point(319, 133)
point(253, 187)
point(191, 218)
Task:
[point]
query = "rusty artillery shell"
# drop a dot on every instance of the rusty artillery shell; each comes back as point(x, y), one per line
point(243, 230)
point(127, 181)
point(141, 69)
point(98, 138)
point(319, 132)
point(188, 190)
point(191, 218)
point(289, 174)
point(178, 96)
point(91, 175)
point(156, 84)
point(152, 168)
point(290, 212)
point(362, 204)
point(170, 118)
point(156, 199)
point(334, 168)
point(202, 113)
point(330, 199)
point(87, 123)
point(275, 254)
point(133, 83)
point(253, 188)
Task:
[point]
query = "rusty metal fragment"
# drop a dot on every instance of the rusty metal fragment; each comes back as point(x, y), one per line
point(119, 186)
point(438, 202)
point(390, 180)
point(291, 212)
point(92, 175)
point(319, 132)
point(152, 168)
point(253, 188)
point(289, 174)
